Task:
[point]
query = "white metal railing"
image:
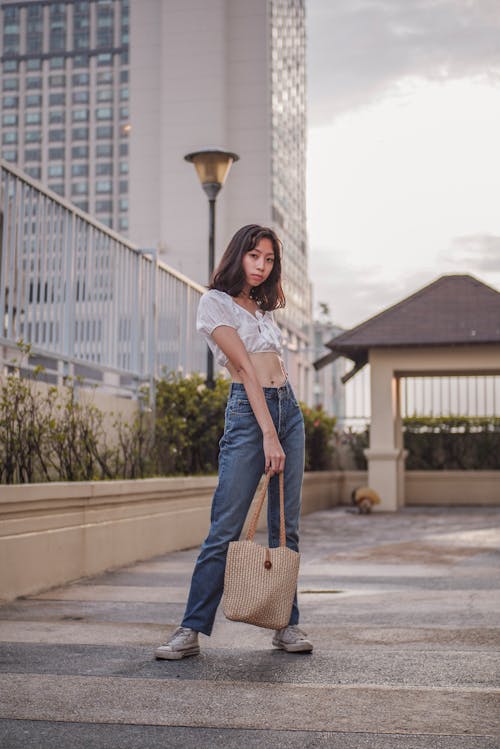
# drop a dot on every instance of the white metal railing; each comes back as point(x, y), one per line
point(85, 299)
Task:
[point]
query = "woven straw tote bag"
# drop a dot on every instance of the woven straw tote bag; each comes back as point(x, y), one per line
point(260, 582)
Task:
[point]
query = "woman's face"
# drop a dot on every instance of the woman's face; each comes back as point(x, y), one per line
point(258, 263)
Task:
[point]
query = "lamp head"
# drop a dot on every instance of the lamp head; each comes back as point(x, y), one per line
point(212, 166)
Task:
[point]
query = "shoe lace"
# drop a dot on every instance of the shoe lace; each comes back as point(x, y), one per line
point(294, 629)
point(181, 634)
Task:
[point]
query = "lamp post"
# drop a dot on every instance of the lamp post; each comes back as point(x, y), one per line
point(212, 166)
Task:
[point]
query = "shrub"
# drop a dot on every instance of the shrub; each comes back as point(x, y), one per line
point(189, 424)
point(452, 443)
point(319, 428)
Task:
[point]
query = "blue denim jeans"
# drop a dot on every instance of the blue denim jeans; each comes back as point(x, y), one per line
point(241, 465)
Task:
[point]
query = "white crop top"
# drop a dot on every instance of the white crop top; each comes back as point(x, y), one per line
point(259, 333)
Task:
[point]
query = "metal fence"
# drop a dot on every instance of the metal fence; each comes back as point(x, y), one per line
point(446, 396)
point(88, 302)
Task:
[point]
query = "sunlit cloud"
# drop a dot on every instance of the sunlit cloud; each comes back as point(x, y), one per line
point(360, 49)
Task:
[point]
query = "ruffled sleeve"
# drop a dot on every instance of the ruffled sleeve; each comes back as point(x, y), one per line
point(215, 308)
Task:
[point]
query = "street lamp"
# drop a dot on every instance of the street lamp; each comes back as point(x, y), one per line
point(212, 166)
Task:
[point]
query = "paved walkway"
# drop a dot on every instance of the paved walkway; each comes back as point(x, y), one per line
point(404, 613)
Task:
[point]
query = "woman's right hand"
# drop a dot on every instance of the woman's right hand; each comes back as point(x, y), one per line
point(274, 454)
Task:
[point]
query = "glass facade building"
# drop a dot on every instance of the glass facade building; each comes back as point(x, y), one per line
point(64, 104)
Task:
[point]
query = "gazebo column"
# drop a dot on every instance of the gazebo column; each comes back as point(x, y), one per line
point(385, 454)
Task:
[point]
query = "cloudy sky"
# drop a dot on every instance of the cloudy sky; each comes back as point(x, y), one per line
point(404, 148)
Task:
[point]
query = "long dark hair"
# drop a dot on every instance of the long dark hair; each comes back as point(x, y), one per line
point(230, 277)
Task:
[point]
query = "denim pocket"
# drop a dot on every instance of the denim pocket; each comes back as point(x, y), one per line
point(240, 406)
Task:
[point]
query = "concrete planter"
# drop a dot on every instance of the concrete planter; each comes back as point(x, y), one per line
point(56, 532)
point(53, 533)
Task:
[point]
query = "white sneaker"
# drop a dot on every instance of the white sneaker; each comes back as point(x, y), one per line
point(183, 642)
point(292, 639)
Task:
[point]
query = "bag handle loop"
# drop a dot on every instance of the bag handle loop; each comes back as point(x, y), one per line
point(260, 501)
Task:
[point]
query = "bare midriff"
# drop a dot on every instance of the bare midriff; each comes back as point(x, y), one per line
point(269, 367)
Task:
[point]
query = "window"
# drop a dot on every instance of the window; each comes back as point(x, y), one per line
point(34, 171)
point(34, 63)
point(104, 206)
point(81, 61)
point(79, 170)
point(56, 170)
point(57, 117)
point(104, 149)
point(57, 100)
point(57, 35)
point(80, 97)
point(81, 39)
point(123, 186)
point(105, 94)
point(123, 223)
point(34, 82)
point(9, 154)
point(124, 76)
point(80, 152)
point(124, 113)
point(79, 188)
point(104, 131)
point(104, 113)
point(104, 77)
point(104, 170)
point(9, 137)
point(33, 118)
point(10, 102)
point(124, 94)
point(33, 154)
point(57, 81)
point(123, 204)
point(124, 58)
point(11, 66)
point(123, 167)
point(57, 63)
point(83, 205)
point(33, 100)
point(80, 133)
point(104, 58)
point(107, 221)
point(10, 41)
point(81, 79)
point(9, 119)
point(103, 186)
point(10, 84)
point(57, 187)
point(56, 153)
point(56, 135)
point(80, 115)
point(33, 136)
point(123, 149)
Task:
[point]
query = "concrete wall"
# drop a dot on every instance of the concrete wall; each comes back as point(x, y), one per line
point(56, 532)
point(452, 487)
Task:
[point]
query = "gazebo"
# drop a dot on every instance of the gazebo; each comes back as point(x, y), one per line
point(450, 327)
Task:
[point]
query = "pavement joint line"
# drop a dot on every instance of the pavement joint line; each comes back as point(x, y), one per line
point(266, 730)
point(272, 685)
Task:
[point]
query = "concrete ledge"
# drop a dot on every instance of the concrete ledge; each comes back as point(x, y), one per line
point(452, 488)
point(53, 533)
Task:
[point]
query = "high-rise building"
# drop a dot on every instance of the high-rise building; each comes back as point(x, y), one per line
point(104, 116)
point(65, 99)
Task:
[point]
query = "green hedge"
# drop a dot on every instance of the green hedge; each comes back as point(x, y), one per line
point(439, 444)
point(459, 443)
point(59, 435)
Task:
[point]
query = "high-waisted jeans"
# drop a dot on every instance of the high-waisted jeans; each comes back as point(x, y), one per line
point(241, 465)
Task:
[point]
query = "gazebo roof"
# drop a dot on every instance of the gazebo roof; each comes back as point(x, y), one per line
point(453, 310)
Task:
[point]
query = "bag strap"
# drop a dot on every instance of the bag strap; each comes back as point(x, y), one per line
point(260, 501)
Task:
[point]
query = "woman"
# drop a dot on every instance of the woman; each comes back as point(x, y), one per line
point(264, 429)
